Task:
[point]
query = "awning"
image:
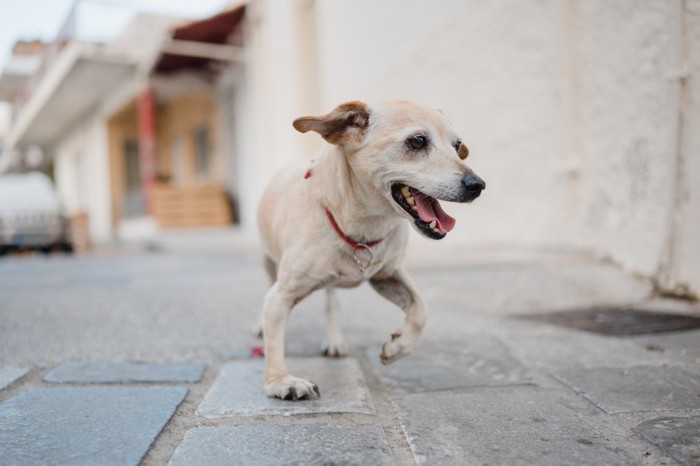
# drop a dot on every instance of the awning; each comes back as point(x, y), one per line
point(81, 76)
point(197, 44)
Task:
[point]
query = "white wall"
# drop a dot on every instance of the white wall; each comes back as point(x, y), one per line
point(571, 109)
point(278, 88)
point(629, 122)
point(231, 93)
point(82, 175)
point(4, 118)
point(681, 271)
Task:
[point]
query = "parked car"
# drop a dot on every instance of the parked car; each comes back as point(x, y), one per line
point(31, 215)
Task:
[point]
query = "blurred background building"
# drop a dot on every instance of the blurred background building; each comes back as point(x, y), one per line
point(582, 116)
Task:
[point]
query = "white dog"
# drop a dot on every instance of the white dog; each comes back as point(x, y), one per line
point(340, 220)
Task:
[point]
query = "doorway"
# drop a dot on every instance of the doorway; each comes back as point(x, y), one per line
point(134, 201)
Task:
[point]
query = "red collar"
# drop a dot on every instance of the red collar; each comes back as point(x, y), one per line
point(346, 238)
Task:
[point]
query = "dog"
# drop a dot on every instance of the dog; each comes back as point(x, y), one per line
point(341, 220)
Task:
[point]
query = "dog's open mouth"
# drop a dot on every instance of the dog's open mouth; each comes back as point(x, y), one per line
point(426, 211)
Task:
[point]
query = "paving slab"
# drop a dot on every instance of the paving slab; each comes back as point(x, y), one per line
point(636, 388)
point(238, 390)
point(680, 343)
point(679, 437)
point(307, 444)
point(125, 372)
point(10, 374)
point(517, 425)
point(478, 362)
point(561, 349)
point(84, 425)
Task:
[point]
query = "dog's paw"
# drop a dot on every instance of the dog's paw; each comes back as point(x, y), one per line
point(335, 350)
point(399, 346)
point(292, 388)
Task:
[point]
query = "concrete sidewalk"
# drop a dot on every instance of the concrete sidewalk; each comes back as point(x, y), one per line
point(149, 359)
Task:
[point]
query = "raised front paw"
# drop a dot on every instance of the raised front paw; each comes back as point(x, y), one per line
point(399, 346)
point(292, 388)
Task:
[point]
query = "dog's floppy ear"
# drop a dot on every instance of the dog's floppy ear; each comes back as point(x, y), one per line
point(463, 151)
point(346, 122)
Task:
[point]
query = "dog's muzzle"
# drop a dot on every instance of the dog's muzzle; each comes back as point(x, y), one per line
point(428, 216)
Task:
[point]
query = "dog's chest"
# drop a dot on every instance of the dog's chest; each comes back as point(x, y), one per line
point(350, 277)
point(354, 267)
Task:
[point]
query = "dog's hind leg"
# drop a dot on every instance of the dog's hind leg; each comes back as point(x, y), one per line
point(271, 269)
point(400, 290)
point(334, 345)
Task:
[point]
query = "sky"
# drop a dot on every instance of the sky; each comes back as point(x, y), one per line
point(42, 19)
point(30, 19)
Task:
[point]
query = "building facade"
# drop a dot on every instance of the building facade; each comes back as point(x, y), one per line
point(133, 127)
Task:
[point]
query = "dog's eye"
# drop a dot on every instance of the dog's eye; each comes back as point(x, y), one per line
point(417, 142)
point(457, 144)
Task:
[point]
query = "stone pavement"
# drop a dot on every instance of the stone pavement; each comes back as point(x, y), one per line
point(149, 359)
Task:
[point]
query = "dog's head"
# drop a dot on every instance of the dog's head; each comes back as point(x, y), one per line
point(409, 153)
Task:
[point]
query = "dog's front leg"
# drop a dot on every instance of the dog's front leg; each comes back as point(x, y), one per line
point(400, 290)
point(278, 382)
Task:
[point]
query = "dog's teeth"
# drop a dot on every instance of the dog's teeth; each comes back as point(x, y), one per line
point(436, 230)
point(406, 191)
point(411, 201)
point(432, 224)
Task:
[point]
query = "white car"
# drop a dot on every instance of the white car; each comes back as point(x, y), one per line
point(31, 215)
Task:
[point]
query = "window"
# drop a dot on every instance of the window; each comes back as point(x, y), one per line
point(178, 160)
point(202, 151)
point(133, 193)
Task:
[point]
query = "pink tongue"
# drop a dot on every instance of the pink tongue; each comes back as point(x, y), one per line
point(429, 209)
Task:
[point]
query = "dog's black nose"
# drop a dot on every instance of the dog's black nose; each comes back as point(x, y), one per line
point(473, 186)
